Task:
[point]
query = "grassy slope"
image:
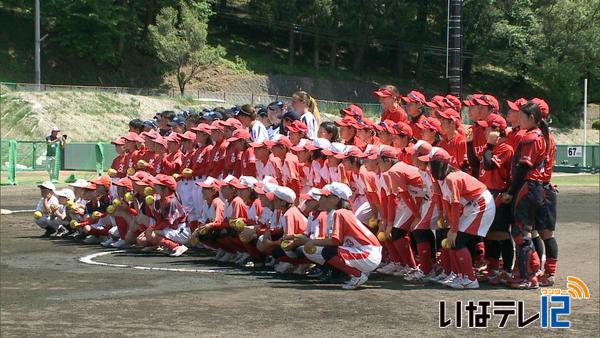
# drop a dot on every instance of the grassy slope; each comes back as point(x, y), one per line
point(84, 116)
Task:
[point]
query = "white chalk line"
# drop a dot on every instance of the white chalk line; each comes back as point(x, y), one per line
point(89, 259)
point(8, 211)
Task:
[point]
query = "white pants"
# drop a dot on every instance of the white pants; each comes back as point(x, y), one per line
point(362, 209)
point(478, 215)
point(180, 235)
point(46, 222)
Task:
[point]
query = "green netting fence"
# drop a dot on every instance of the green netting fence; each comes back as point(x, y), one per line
point(22, 156)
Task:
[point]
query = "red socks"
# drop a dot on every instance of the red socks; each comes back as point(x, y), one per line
point(424, 249)
point(550, 266)
point(406, 254)
point(122, 226)
point(463, 262)
point(339, 263)
point(167, 243)
point(392, 252)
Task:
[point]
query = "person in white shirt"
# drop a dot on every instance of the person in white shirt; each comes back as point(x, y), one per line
point(275, 111)
point(306, 106)
point(247, 116)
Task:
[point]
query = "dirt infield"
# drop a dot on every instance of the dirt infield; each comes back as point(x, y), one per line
point(47, 291)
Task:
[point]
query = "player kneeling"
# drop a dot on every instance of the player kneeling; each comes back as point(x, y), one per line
point(170, 230)
point(352, 247)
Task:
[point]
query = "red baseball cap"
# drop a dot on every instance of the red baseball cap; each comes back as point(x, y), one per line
point(202, 127)
point(450, 114)
point(435, 102)
point(414, 96)
point(133, 137)
point(103, 180)
point(451, 101)
point(209, 182)
point(125, 182)
point(188, 136)
point(383, 92)
point(149, 181)
point(544, 107)
point(471, 100)
point(385, 151)
point(119, 142)
point(402, 128)
point(150, 134)
point(493, 120)
point(386, 125)
point(216, 125)
point(436, 154)
point(350, 151)
point(258, 144)
point(422, 148)
point(281, 140)
point(431, 123)
point(239, 134)
point(138, 176)
point(160, 140)
point(304, 144)
point(353, 110)
point(167, 181)
point(488, 100)
point(232, 122)
point(173, 137)
point(347, 121)
point(298, 127)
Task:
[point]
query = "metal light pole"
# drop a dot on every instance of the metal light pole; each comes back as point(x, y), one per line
point(585, 94)
point(454, 47)
point(38, 72)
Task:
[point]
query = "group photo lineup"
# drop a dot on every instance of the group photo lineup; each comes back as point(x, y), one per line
point(284, 168)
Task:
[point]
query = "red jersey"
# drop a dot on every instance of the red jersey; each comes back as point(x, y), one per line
point(349, 232)
point(404, 155)
point(150, 157)
point(317, 225)
point(231, 158)
point(234, 209)
point(514, 136)
point(272, 167)
point(479, 139)
point(119, 164)
point(397, 115)
point(293, 221)
point(413, 122)
point(200, 162)
point(499, 177)
point(131, 159)
point(171, 163)
point(246, 166)
point(458, 189)
point(532, 152)
point(457, 148)
point(217, 160)
point(550, 159)
point(170, 214)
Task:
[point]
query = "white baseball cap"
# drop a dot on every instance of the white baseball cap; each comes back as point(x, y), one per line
point(80, 183)
point(66, 193)
point(321, 143)
point(314, 193)
point(285, 194)
point(248, 181)
point(47, 185)
point(338, 189)
point(55, 129)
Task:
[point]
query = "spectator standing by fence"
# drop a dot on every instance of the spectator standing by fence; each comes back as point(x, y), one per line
point(52, 142)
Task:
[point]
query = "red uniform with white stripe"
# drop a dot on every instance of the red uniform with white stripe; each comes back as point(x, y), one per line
point(358, 246)
point(468, 205)
point(499, 177)
point(457, 148)
point(290, 176)
point(272, 167)
point(217, 158)
point(404, 181)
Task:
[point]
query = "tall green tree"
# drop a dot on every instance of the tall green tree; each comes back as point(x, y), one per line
point(179, 38)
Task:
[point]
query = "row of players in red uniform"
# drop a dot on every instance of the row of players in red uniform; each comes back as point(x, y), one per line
point(441, 197)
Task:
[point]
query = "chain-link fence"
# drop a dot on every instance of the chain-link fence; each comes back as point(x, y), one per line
point(209, 97)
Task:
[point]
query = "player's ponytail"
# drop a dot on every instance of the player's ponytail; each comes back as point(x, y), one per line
point(312, 106)
point(533, 109)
